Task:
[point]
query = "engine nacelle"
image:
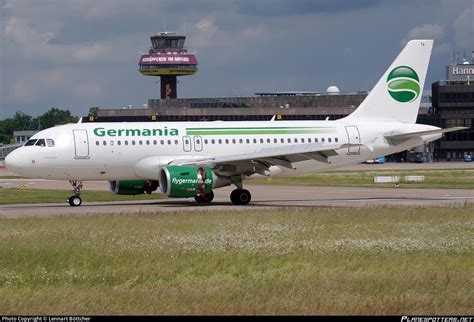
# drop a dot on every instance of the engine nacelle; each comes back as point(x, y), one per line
point(133, 187)
point(186, 181)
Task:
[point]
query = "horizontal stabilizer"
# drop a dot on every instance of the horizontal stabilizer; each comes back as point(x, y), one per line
point(406, 136)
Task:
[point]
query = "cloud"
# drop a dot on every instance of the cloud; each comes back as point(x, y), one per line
point(85, 53)
point(37, 85)
point(208, 36)
point(464, 29)
point(301, 7)
point(426, 31)
point(31, 44)
point(92, 89)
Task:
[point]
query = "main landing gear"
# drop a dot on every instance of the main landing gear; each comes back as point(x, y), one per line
point(239, 196)
point(75, 200)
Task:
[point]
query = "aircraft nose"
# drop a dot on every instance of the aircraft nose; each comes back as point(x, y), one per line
point(14, 162)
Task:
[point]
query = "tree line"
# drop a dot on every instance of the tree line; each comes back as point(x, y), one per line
point(23, 122)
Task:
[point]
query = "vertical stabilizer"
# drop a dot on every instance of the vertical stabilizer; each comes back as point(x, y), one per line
point(397, 94)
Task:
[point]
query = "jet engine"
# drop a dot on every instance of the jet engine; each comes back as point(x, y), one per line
point(186, 181)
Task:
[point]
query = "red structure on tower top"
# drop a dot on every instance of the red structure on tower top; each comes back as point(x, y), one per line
point(168, 58)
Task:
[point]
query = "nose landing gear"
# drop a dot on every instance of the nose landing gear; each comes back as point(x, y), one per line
point(75, 200)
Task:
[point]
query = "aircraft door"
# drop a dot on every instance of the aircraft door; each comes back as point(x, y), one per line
point(81, 144)
point(354, 138)
point(198, 143)
point(187, 144)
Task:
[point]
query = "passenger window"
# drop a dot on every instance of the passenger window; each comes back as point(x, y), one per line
point(176, 142)
point(147, 142)
point(336, 140)
point(282, 140)
point(126, 142)
point(169, 142)
point(140, 142)
point(289, 140)
point(133, 142)
point(233, 141)
point(254, 140)
point(241, 141)
point(50, 142)
point(30, 142)
point(220, 141)
point(104, 142)
point(302, 140)
point(268, 141)
point(154, 142)
point(296, 140)
point(315, 140)
point(322, 139)
point(309, 140)
point(162, 142)
point(97, 142)
point(119, 142)
point(111, 142)
point(213, 141)
point(261, 140)
point(248, 141)
point(205, 141)
point(329, 139)
point(226, 141)
point(275, 140)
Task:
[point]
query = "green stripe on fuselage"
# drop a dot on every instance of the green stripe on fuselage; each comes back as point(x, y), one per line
point(257, 131)
point(259, 128)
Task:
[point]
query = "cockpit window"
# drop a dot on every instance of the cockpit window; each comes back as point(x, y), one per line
point(30, 142)
point(50, 142)
point(41, 142)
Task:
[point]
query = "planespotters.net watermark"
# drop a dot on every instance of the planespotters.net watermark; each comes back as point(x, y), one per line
point(436, 319)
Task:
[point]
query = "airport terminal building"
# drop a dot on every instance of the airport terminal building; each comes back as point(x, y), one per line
point(453, 105)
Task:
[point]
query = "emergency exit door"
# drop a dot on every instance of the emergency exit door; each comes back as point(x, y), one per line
point(354, 138)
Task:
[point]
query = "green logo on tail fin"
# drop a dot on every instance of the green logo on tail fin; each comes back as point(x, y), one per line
point(403, 84)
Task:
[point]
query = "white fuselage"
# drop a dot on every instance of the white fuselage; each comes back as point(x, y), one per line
point(113, 151)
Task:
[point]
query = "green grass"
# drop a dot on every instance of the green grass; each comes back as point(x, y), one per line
point(436, 179)
point(28, 196)
point(400, 261)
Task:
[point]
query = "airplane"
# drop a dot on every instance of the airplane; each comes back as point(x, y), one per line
point(191, 159)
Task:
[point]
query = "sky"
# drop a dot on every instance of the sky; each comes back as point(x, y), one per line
point(73, 54)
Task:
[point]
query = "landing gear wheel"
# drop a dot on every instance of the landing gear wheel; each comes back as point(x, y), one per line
point(240, 197)
point(75, 201)
point(207, 198)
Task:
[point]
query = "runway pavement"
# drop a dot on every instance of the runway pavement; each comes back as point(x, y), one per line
point(263, 197)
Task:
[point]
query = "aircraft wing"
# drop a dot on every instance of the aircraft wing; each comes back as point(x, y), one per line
point(265, 157)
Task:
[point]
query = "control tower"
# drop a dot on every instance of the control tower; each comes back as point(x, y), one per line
point(168, 58)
